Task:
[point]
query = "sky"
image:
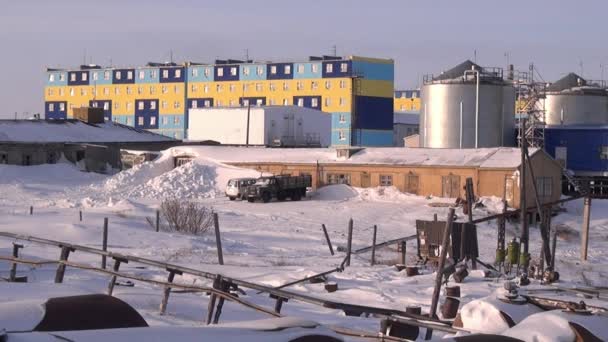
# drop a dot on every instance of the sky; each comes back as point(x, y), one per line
point(423, 37)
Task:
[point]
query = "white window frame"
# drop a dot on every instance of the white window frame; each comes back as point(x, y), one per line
point(260, 70)
point(153, 105)
point(51, 78)
point(341, 135)
point(220, 72)
point(314, 68)
point(342, 118)
point(129, 75)
point(314, 102)
point(287, 69)
point(165, 73)
point(301, 68)
point(273, 69)
point(385, 180)
point(234, 71)
point(343, 67)
point(140, 105)
point(141, 74)
point(329, 68)
point(118, 75)
point(178, 73)
point(152, 120)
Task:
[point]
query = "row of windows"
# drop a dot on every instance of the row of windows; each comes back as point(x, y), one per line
point(141, 121)
point(176, 89)
point(259, 87)
point(107, 75)
point(314, 102)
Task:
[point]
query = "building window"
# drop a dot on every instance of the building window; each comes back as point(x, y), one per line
point(287, 69)
point(140, 120)
point(232, 87)
point(51, 107)
point(178, 73)
point(194, 72)
point(273, 69)
point(165, 73)
point(207, 72)
point(83, 92)
point(176, 104)
point(118, 75)
point(176, 89)
point(194, 104)
point(300, 68)
point(152, 120)
point(259, 102)
point(73, 77)
point(129, 75)
point(272, 86)
point(128, 121)
point(411, 183)
point(163, 104)
point(61, 92)
point(314, 85)
point(285, 86)
point(246, 71)
point(220, 72)
point(314, 102)
point(342, 84)
point(207, 103)
point(285, 102)
point(233, 71)
point(152, 90)
point(153, 73)
point(338, 178)
point(327, 84)
point(129, 90)
point(341, 135)
point(71, 91)
point(260, 70)
point(61, 77)
point(51, 77)
point(129, 105)
point(327, 101)
point(259, 87)
point(544, 186)
point(50, 92)
point(329, 68)
point(62, 107)
point(140, 90)
point(205, 88)
point(342, 118)
point(116, 91)
point(218, 88)
point(164, 89)
point(140, 105)
point(232, 103)
point(176, 120)
point(165, 120)
point(245, 102)
point(272, 102)
point(142, 74)
point(95, 76)
point(299, 85)
point(106, 91)
point(106, 106)
point(343, 67)
point(342, 102)
point(4, 158)
point(386, 180)
point(604, 152)
point(153, 105)
point(116, 105)
point(301, 102)
point(314, 68)
point(219, 103)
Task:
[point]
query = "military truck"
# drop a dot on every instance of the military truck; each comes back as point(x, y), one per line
point(279, 187)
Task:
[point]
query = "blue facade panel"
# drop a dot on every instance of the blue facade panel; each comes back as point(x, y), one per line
point(147, 75)
point(55, 110)
point(203, 102)
point(57, 78)
point(365, 137)
point(252, 72)
point(253, 101)
point(226, 73)
point(337, 69)
point(100, 76)
point(340, 120)
point(340, 137)
point(146, 114)
point(307, 70)
point(172, 121)
point(172, 75)
point(201, 73)
point(408, 94)
point(313, 102)
point(106, 105)
point(124, 119)
point(279, 71)
point(374, 71)
point(373, 113)
point(123, 76)
point(583, 147)
point(77, 78)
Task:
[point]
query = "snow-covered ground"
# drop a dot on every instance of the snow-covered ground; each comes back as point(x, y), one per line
point(270, 243)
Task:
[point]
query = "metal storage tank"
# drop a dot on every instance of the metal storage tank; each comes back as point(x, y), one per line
point(573, 101)
point(460, 112)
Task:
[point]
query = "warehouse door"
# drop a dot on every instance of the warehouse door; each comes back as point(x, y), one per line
point(450, 186)
point(561, 155)
point(509, 188)
point(365, 180)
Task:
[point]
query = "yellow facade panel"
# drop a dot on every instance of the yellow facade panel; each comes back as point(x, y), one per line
point(376, 88)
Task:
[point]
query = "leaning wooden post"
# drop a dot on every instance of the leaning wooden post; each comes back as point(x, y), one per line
point(470, 197)
point(212, 298)
point(403, 251)
point(349, 243)
point(585, 229)
point(157, 220)
point(104, 242)
point(13, 273)
point(112, 282)
point(278, 304)
point(167, 290)
point(439, 277)
point(218, 239)
point(224, 286)
point(80, 215)
point(374, 245)
point(65, 253)
point(331, 248)
point(553, 247)
point(31, 210)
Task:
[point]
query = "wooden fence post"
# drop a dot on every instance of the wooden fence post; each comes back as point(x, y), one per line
point(13, 273)
point(218, 239)
point(585, 228)
point(31, 210)
point(112, 282)
point(157, 220)
point(65, 253)
point(331, 248)
point(80, 215)
point(104, 242)
point(212, 298)
point(439, 277)
point(403, 251)
point(167, 290)
point(374, 245)
point(349, 243)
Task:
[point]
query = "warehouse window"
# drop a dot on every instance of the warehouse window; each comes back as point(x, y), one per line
point(129, 90)
point(246, 102)
point(259, 102)
point(604, 152)
point(411, 183)
point(140, 90)
point(106, 105)
point(342, 101)
point(205, 88)
point(176, 89)
point(218, 88)
point(259, 87)
point(338, 178)
point(71, 91)
point(272, 86)
point(341, 135)
point(129, 75)
point(287, 69)
point(177, 104)
point(273, 69)
point(329, 68)
point(163, 104)
point(61, 77)
point(260, 70)
point(299, 85)
point(129, 105)
point(164, 89)
point(344, 67)
point(73, 77)
point(106, 91)
point(232, 87)
point(386, 180)
point(544, 186)
point(95, 76)
point(300, 68)
point(83, 91)
point(50, 92)
point(194, 72)
point(207, 103)
point(194, 104)
point(60, 91)
point(327, 101)
point(106, 75)
point(152, 90)
point(285, 102)
point(220, 72)
point(194, 88)
point(178, 73)
point(116, 90)
point(233, 71)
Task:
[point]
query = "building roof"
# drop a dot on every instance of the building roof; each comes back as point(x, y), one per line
point(406, 118)
point(73, 131)
point(569, 81)
point(489, 158)
point(456, 74)
point(457, 71)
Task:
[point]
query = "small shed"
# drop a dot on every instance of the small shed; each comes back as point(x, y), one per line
point(405, 124)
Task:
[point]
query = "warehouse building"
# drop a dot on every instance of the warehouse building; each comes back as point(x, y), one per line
point(357, 91)
point(405, 125)
point(94, 145)
point(421, 171)
point(279, 126)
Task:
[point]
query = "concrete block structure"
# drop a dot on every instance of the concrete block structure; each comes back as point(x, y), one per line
point(356, 91)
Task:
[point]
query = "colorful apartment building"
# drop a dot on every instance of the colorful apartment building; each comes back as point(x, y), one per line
point(406, 101)
point(356, 91)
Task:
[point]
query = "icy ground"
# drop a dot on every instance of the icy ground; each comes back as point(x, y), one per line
point(270, 243)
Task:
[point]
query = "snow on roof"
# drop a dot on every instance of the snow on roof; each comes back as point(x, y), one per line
point(406, 118)
point(72, 131)
point(497, 157)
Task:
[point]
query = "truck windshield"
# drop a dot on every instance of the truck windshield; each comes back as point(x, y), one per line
point(231, 182)
point(263, 181)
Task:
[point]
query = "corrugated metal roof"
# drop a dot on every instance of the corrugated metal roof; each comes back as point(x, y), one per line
point(457, 71)
point(569, 81)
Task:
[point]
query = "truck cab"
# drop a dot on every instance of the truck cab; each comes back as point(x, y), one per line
point(236, 187)
point(279, 187)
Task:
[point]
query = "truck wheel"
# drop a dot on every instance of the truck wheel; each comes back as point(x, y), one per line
point(231, 198)
point(250, 199)
point(266, 197)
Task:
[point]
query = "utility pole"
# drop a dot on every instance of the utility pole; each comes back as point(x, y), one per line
point(522, 199)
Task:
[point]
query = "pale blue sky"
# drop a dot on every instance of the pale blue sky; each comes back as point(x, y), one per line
point(424, 36)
